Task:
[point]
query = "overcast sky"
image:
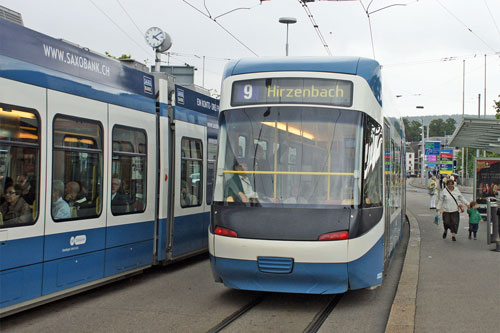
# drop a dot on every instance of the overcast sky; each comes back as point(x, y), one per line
point(421, 45)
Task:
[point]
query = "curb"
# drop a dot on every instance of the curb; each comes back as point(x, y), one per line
point(402, 316)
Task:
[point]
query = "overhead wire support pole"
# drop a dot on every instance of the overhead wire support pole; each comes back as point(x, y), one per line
point(368, 13)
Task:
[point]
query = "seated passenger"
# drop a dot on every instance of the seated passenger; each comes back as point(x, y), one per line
point(74, 196)
point(239, 187)
point(15, 210)
point(119, 201)
point(60, 208)
point(28, 186)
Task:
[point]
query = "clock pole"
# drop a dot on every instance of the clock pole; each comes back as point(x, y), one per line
point(157, 60)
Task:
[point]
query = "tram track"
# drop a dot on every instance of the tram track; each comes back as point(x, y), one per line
point(237, 314)
point(313, 326)
point(321, 316)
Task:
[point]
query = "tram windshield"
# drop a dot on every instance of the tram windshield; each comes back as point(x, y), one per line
point(289, 155)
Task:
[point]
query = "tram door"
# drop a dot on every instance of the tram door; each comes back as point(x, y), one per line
point(75, 237)
point(22, 156)
point(191, 217)
point(388, 170)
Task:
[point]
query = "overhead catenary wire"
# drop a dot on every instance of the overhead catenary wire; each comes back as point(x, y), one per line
point(131, 19)
point(315, 26)
point(209, 16)
point(492, 17)
point(120, 28)
point(465, 25)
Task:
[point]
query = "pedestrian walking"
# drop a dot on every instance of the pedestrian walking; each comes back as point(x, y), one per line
point(433, 192)
point(448, 205)
point(474, 218)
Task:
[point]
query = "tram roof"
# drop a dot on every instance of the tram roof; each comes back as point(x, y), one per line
point(478, 133)
point(364, 67)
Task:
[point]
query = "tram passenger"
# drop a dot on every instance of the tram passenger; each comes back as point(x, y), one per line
point(28, 186)
point(119, 201)
point(239, 186)
point(263, 182)
point(60, 208)
point(71, 191)
point(15, 210)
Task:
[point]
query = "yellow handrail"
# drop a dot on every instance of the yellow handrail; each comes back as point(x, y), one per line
point(290, 173)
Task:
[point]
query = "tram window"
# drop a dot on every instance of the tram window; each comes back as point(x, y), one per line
point(304, 145)
point(191, 172)
point(19, 166)
point(128, 183)
point(77, 163)
point(373, 164)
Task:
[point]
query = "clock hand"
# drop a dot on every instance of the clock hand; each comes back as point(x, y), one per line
point(154, 36)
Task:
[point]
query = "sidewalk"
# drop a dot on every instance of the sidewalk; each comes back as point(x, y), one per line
point(445, 286)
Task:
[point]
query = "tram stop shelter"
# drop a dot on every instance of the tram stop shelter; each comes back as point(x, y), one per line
point(479, 133)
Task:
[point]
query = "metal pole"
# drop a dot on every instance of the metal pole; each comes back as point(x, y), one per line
point(463, 115)
point(157, 61)
point(287, 40)
point(484, 86)
point(203, 81)
point(422, 165)
point(479, 105)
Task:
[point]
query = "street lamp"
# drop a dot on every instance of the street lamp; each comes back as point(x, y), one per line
point(422, 166)
point(287, 21)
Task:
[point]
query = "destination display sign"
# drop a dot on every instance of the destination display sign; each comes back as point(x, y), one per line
point(446, 166)
point(292, 91)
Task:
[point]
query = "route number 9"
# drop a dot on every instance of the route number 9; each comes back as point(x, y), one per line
point(247, 91)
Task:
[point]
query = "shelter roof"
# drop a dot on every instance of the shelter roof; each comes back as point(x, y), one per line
point(478, 133)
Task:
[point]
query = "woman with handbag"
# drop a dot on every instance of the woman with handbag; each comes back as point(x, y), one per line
point(449, 206)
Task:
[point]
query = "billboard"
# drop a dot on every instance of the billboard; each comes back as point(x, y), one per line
point(486, 179)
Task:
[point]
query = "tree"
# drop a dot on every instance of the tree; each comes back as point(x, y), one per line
point(497, 108)
point(413, 130)
point(123, 56)
point(438, 127)
point(451, 125)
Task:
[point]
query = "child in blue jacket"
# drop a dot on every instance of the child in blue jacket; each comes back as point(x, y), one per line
point(474, 218)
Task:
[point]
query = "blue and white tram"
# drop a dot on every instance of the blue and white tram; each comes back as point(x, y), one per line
point(309, 190)
point(101, 174)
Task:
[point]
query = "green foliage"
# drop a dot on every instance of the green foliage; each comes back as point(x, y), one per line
point(438, 127)
point(123, 56)
point(497, 108)
point(413, 130)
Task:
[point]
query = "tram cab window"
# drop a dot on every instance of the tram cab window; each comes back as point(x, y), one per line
point(300, 145)
point(78, 163)
point(129, 169)
point(191, 172)
point(19, 165)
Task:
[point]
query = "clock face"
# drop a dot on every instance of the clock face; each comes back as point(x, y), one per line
point(154, 37)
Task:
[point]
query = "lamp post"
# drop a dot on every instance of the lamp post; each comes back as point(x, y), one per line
point(422, 166)
point(287, 21)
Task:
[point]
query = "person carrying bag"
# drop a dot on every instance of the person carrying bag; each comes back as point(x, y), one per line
point(449, 206)
point(433, 192)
